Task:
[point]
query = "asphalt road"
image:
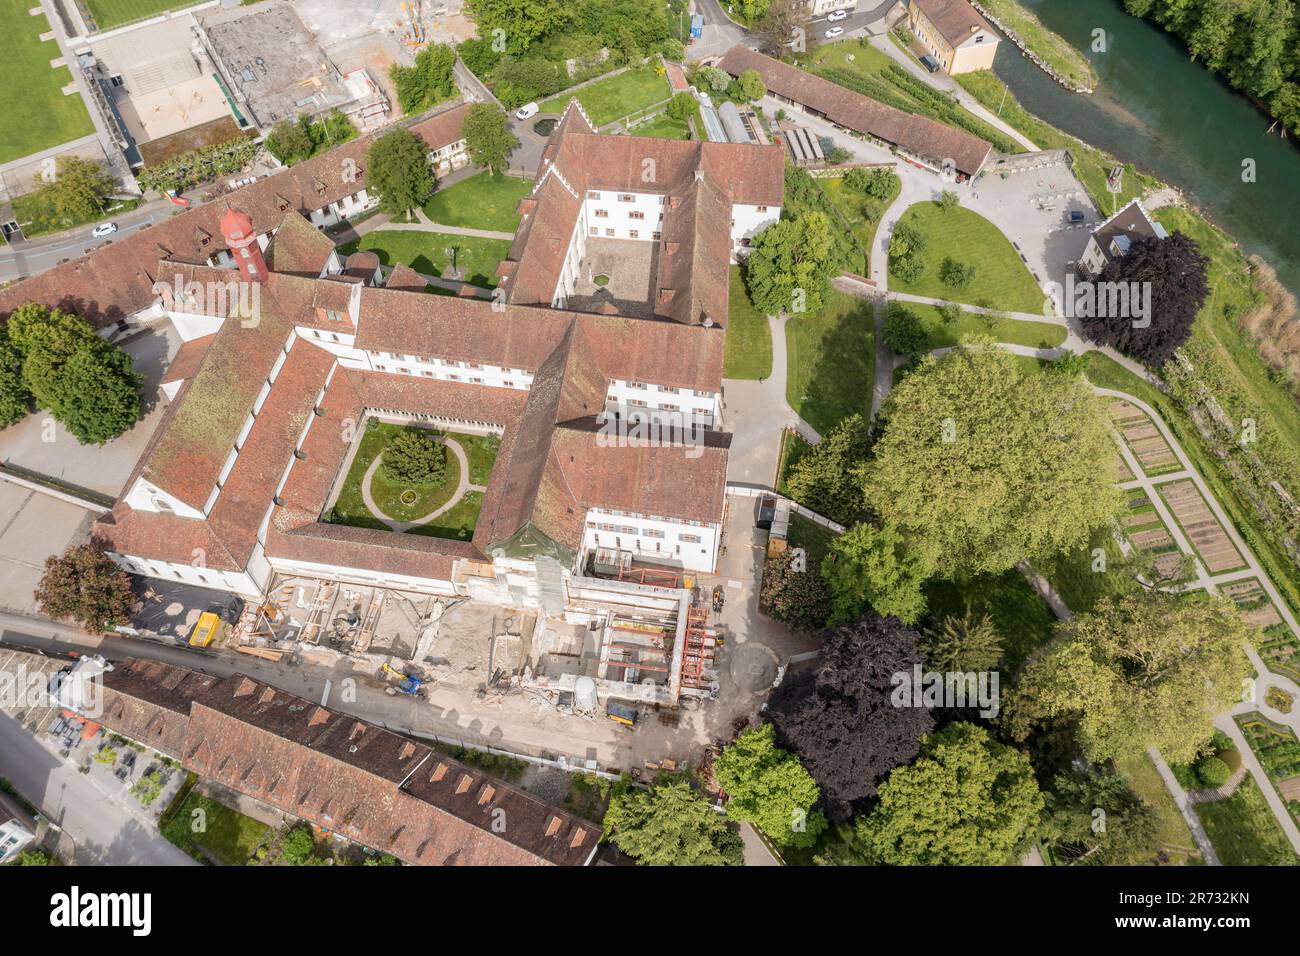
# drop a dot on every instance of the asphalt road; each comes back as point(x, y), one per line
point(103, 830)
point(27, 258)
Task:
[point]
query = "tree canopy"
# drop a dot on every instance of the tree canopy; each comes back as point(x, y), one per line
point(794, 591)
point(86, 383)
point(1148, 668)
point(414, 458)
point(488, 137)
point(85, 585)
point(521, 21)
point(982, 464)
point(966, 644)
point(1174, 269)
point(840, 720)
point(1092, 815)
point(873, 567)
point(79, 190)
point(430, 81)
point(671, 825)
point(769, 788)
point(829, 477)
point(966, 801)
point(789, 265)
point(400, 172)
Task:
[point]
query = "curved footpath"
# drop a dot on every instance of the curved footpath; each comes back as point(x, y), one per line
point(462, 489)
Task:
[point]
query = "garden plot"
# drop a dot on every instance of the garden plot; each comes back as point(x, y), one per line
point(1147, 532)
point(1200, 525)
point(1143, 439)
point(1280, 647)
point(1278, 751)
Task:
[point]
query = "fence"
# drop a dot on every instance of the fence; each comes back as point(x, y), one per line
point(748, 491)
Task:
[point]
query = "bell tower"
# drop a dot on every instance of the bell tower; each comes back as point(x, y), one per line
point(237, 230)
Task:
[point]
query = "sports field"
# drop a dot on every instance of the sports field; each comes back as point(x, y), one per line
point(34, 113)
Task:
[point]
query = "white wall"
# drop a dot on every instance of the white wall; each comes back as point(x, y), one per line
point(619, 215)
point(655, 539)
point(233, 581)
point(748, 221)
point(643, 400)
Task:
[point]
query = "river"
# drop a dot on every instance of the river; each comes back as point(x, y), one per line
point(1173, 119)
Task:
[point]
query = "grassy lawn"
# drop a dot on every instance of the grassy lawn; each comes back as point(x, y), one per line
point(34, 113)
point(810, 536)
point(875, 74)
point(663, 127)
point(1091, 165)
point(830, 360)
point(114, 13)
point(1244, 831)
point(38, 218)
point(1018, 612)
point(483, 201)
point(1052, 48)
point(1001, 280)
point(457, 522)
point(227, 836)
point(350, 508)
point(426, 252)
point(1081, 580)
point(1171, 829)
point(615, 97)
point(749, 340)
point(941, 334)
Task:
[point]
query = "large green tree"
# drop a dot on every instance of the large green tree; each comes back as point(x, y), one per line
point(86, 383)
point(789, 265)
point(15, 399)
point(85, 585)
point(400, 172)
point(965, 644)
point(488, 137)
point(80, 189)
point(521, 22)
point(966, 801)
point(1093, 816)
point(671, 825)
point(873, 567)
point(982, 464)
point(768, 787)
point(1148, 668)
point(829, 477)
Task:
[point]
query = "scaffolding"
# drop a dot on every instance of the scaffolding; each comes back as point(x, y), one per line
point(698, 650)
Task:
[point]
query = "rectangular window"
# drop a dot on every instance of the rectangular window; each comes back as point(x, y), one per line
point(653, 533)
point(609, 233)
point(592, 194)
point(633, 234)
point(657, 235)
point(601, 213)
point(762, 209)
point(626, 197)
point(593, 231)
point(689, 538)
point(636, 214)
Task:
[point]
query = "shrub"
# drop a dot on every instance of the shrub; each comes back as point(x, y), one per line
point(298, 845)
point(1212, 771)
point(956, 274)
point(795, 594)
point(903, 331)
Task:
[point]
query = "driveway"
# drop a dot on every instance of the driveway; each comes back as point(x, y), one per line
point(33, 526)
point(103, 829)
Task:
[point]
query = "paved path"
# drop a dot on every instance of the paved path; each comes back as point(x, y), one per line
point(1184, 803)
point(463, 487)
point(756, 413)
point(424, 224)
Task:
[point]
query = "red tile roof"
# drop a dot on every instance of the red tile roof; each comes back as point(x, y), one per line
point(918, 135)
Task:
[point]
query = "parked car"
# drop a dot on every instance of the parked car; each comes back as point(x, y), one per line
point(930, 63)
point(834, 32)
point(103, 229)
point(1076, 215)
point(835, 16)
point(764, 512)
point(527, 110)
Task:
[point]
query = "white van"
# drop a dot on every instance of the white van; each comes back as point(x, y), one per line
point(525, 111)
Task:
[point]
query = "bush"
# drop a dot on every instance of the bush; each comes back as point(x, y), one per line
point(412, 458)
point(903, 331)
point(298, 845)
point(795, 594)
point(1212, 771)
point(956, 274)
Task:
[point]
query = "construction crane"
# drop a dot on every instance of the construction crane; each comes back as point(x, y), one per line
point(406, 683)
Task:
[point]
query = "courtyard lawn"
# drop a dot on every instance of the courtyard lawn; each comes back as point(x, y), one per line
point(114, 13)
point(830, 361)
point(941, 334)
point(1001, 280)
point(483, 201)
point(457, 522)
point(426, 252)
point(34, 113)
point(229, 837)
point(615, 97)
point(809, 535)
point(1172, 833)
point(405, 501)
point(749, 340)
point(1017, 611)
point(663, 126)
point(1244, 831)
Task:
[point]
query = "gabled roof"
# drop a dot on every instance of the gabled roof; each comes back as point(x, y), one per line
point(298, 248)
point(956, 20)
point(918, 135)
point(117, 280)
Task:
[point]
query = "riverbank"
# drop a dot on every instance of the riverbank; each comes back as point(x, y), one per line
point(1240, 365)
point(1050, 52)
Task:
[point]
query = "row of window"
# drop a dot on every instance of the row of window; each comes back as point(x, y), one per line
point(631, 233)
